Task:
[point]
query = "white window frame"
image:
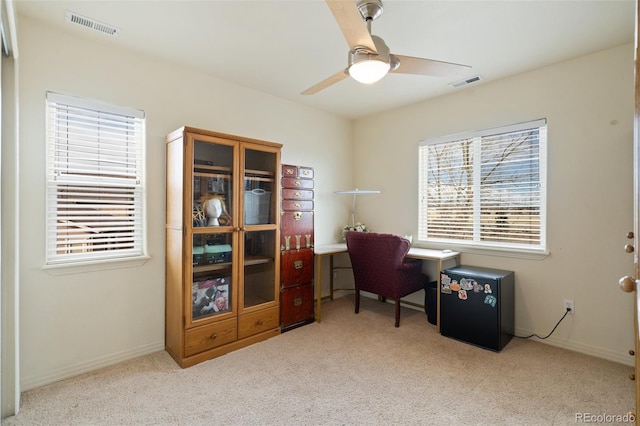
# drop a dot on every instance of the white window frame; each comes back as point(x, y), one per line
point(95, 205)
point(478, 232)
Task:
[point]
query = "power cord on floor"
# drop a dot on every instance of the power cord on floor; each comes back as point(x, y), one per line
point(554, 328)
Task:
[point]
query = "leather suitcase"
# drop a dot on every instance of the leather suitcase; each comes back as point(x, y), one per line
point(297, 306)
point(297, 267)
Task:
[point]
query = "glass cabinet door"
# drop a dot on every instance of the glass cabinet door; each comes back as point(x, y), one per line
point(259, 187)
point(212, 184)
point(260, 230)
point(213, 287)
point(259, 268)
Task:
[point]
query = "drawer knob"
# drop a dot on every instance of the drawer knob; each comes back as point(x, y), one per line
point(632, 376)
point(260, 322)
point(632, 352)
point(214, 336)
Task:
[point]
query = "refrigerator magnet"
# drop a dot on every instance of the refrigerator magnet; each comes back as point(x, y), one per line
point(490, 300)
point(467, 284)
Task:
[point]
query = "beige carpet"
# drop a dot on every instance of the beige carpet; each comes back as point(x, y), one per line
point(348, 370)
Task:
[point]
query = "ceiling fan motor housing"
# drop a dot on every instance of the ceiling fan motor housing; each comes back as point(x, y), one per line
point(360, 53)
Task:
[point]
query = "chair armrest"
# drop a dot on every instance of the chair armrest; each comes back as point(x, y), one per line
point(410, 264)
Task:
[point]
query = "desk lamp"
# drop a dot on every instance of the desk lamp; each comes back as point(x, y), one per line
point(355, 193)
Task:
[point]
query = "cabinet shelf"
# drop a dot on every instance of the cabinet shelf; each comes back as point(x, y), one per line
point(219, 169)
point(256, 260)
point(212, 267)
point(212, 175)
point(259, 176)
point(220, 229)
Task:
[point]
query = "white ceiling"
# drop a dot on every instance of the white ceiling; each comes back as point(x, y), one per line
point(285, 47)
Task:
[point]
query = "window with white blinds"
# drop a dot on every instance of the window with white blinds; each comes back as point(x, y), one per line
point(485, 188)
point(95, 171)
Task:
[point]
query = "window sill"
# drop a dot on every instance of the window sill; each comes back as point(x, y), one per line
point(487, 251)
point(98, 265)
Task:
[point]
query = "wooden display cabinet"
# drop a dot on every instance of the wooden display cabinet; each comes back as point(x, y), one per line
point(222, 243)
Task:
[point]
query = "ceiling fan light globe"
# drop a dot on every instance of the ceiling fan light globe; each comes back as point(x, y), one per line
point(368, 71)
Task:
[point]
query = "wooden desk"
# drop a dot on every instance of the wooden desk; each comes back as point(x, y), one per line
point(324, 250)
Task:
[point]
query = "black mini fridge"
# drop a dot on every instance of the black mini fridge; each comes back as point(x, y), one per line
point(476, 306)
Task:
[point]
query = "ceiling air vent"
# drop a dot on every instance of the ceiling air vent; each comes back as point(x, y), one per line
point(467, 81)
point(91, 24)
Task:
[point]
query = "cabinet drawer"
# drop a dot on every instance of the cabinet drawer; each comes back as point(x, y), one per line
point(305, 172)
point(297, 205)
point(294, 223)
point(297, 194)
point(296, 304)
point(297, 183)
point(210, 336)
point(297, 267)
point(257, 322)
point(289, 171)
point(295, 171)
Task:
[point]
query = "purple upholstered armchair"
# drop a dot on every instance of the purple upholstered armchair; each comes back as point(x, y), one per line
point(379, 267)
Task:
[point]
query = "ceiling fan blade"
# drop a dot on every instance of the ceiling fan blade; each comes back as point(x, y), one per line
point(350, 22)
point(326, 83)
point(421, 66)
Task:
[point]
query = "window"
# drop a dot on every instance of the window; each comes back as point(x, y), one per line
point(485, 189)
point(95, 177)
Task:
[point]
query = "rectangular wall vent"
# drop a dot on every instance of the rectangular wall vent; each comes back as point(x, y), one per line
point(467, 81)
point(91, 24)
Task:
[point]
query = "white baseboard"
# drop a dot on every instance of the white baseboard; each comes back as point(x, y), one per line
point(596, 351)
point(32, 382)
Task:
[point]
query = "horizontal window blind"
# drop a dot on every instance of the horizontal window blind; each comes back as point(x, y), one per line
point(94, 180)
point(485, 188)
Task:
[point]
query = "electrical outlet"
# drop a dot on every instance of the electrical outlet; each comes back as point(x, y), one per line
point(568, 304)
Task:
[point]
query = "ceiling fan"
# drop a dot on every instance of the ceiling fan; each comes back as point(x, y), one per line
point(369, 56)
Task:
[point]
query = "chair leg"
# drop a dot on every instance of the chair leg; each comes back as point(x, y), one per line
point(357, 301)
point(397, 313)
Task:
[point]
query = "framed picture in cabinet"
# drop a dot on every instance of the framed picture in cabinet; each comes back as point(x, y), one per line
point(210, 296)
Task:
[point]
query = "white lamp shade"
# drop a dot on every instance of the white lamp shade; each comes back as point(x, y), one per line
point(368, 71)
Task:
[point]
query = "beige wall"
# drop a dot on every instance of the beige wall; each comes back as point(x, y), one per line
point(77, 322)
point(588, 103)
